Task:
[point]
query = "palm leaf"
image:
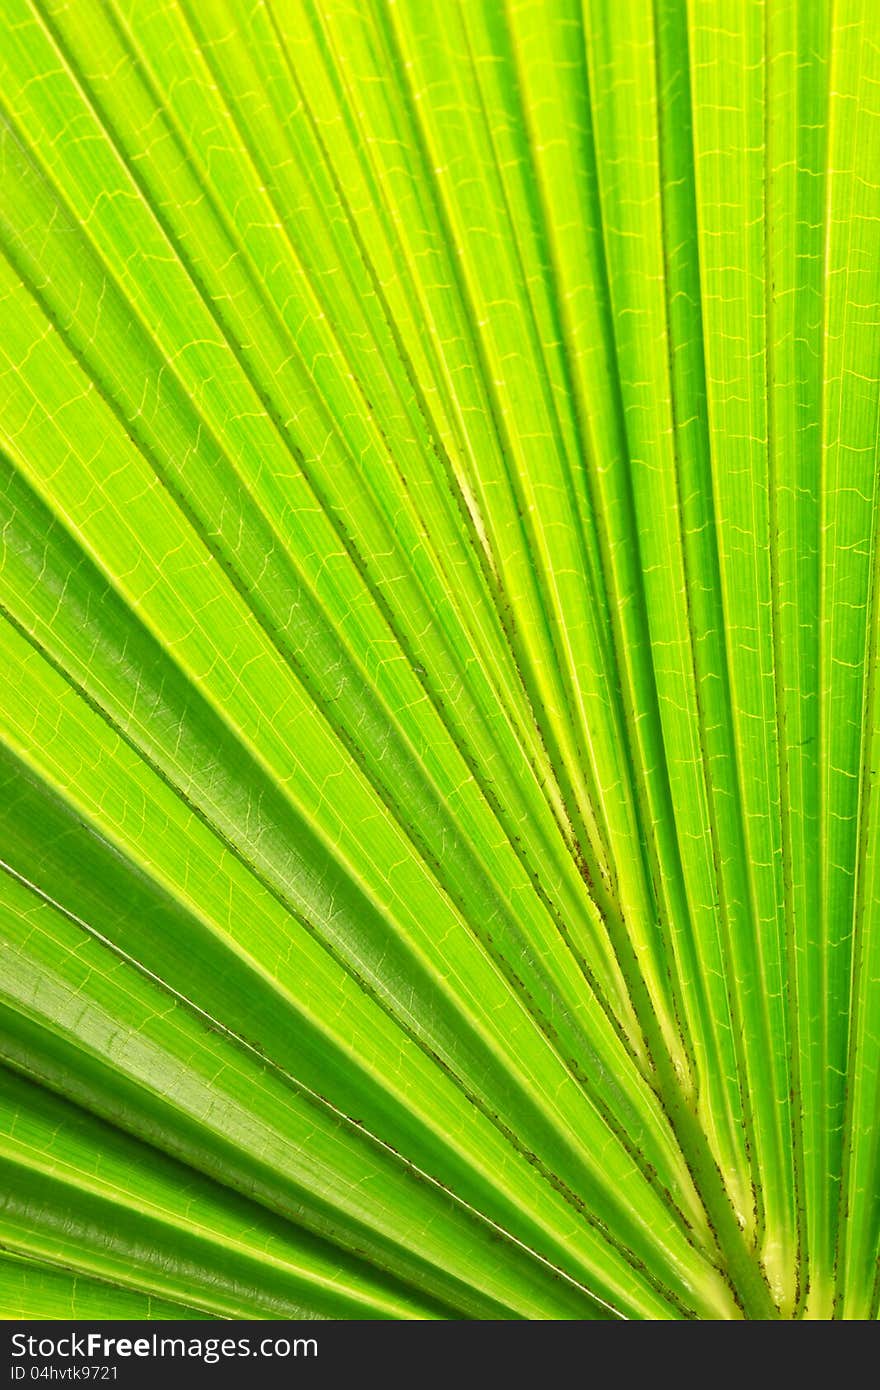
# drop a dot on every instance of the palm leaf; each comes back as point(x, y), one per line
point(439, 828)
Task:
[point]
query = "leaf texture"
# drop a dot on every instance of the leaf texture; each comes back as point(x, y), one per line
point(439, 734)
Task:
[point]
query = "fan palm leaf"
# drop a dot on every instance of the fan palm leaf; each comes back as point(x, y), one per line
point(438, 482)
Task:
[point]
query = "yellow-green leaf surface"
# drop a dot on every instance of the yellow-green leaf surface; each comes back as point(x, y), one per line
point(439, 732)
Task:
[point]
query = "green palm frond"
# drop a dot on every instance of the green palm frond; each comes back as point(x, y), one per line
point(438, 484)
